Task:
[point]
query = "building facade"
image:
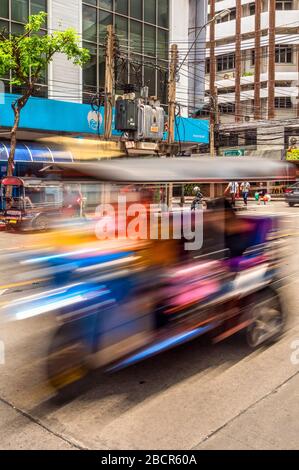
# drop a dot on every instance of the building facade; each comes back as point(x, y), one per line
point(256, 75)
point(61, 105)
point(144, 28)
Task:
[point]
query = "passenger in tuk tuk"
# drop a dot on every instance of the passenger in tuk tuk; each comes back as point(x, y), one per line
point(72, 200)
point(240, 234)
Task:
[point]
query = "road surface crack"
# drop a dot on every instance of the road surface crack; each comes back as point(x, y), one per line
point(223, 426)
point(38, 422)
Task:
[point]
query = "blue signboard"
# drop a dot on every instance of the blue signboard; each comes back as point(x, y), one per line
point(62, 116)
point(192, 130)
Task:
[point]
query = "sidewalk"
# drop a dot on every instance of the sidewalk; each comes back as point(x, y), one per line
point(272, 423)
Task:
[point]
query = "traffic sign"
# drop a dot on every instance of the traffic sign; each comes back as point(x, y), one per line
point(234, 153)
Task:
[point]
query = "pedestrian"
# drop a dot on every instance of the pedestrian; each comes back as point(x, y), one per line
point(245, 188)
point(233, 189)
point(266, 198)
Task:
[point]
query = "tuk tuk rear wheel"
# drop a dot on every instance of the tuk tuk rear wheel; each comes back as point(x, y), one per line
point(41, 223)
point(268, 319)
point(66, 361)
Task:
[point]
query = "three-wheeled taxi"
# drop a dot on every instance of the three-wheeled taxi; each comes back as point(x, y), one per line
point(122, 300)
point(30, 203)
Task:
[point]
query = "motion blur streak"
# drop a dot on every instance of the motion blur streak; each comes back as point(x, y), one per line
point(162, 346)
point(113, 303)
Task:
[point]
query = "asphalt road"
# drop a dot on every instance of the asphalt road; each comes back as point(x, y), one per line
point(197, 396)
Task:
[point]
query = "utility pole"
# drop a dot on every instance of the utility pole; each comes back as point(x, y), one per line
point(174, 58)
point(238, 62)
point(212, 79)
point(213, 102)
point(109, 82)
point(271, 59)
point(257, 60)
point(172, 92)
point(298, 82)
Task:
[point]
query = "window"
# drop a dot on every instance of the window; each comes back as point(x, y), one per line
point(252, 58)
point(233, 13)
point(107, 4)
point(16, 12)
point(136, 36)
point(4, 9)
point(252, 9)
point(149, 11)
point(37, 6)
point(142, 30)
point(19, 10)
point(284, 5)
point(229, 17)
point(136, 9)
point(90, 23)
point(227, 108)
point(283, 102)
point(121, 6)
point(283, 84)
point(150, 40)
point(207, 66)
point(13, 17)
point(283, 55)
point(225, 62)
point(163, 13)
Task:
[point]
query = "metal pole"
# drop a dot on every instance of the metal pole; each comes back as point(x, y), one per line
point(109, 82)
point(271, 60)
point(212, 89)
point(171, 108)
point(257, 60)
point(212, 79)
point(172, 92)
point(238, 63)
point(298, 82)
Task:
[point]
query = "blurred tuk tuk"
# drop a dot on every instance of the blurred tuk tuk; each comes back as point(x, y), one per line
point(122, 301)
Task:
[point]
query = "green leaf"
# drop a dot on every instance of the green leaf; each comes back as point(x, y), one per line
point(27, 56)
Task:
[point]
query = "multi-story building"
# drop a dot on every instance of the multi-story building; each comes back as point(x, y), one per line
point(145, 29)
point(264, 62)
point(61, 105)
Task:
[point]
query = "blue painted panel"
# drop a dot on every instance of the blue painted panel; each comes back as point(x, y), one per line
point(52, 115)
point(192, 130)
point(62, 156)
point(40, 153)
point(22, 153)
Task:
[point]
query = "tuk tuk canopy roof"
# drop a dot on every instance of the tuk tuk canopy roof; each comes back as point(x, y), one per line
point(183, 170)
point(12, 181)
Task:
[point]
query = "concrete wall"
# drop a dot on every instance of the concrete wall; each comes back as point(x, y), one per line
point(198, 17)
point(185, 17)
point(179, 28)
point(65, 79)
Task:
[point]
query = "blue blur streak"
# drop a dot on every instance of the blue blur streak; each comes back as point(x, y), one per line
point(162, 346)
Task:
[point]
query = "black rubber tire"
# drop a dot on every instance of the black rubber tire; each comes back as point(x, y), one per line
point(66, 361)
point(266, 302)
point(291, 204)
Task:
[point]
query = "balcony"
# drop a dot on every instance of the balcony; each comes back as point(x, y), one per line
point(288, 18)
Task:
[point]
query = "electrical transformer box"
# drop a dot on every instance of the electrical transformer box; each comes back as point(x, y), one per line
point(126, 116)
point(150, 122)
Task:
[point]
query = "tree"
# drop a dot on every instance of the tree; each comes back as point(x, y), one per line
point(27, 56)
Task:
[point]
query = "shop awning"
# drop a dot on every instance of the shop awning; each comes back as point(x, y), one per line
point(35, 152)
